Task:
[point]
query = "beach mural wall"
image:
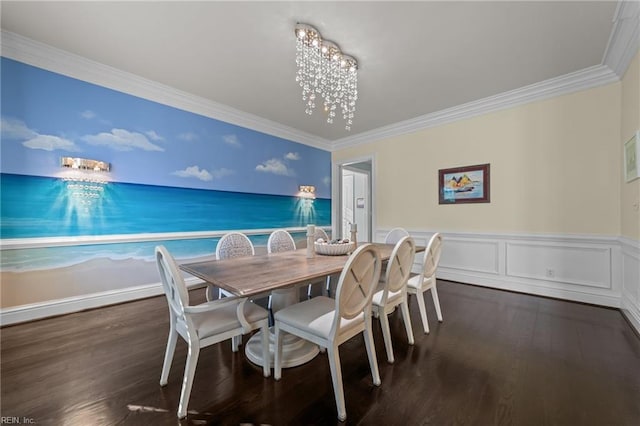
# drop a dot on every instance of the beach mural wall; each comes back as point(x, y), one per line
point(90, 177)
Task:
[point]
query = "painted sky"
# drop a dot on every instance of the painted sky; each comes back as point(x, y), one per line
point(46, 116)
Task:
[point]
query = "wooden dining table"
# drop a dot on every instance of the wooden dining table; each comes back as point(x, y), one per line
point(278, 274)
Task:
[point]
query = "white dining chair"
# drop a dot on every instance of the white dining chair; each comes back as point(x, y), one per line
point(279, 241)
point(204, 325)
point(395, 235)
point(329, 323)
point(325, 281)
point(427, 279)
point(231, 245)
point(394, 291)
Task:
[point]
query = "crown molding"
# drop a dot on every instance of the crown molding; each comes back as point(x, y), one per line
point(623, 43)
point(624, 37)
point(23, 49)
point(587, 78)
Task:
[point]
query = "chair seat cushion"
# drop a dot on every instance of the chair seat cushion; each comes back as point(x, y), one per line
point(315, 316)
point(414, 283)
point(225, 319)
point(391, 297)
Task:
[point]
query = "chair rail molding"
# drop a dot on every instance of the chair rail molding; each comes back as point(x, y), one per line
point(602, 270)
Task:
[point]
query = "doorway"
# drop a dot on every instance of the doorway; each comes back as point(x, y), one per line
point(355, 206)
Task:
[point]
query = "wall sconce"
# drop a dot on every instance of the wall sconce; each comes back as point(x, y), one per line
point(85, 181)
point(84, 164)
point(307, 191)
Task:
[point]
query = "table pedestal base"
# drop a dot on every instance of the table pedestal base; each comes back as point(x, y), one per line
point(295, 351)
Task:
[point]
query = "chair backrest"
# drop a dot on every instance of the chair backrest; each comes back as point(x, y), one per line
point(234, 244)
point(432, 255)
point(395, 235)
point(320, 233)
point(400, 263)
point(172, 283)
point(357, 283)
point(280, 240)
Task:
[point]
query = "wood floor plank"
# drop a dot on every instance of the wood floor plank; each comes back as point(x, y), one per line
point(499, 358)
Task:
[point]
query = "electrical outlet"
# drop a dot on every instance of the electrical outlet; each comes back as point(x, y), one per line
point(551, 273)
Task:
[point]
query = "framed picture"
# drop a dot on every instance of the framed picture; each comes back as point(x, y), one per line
point(460, 185)
point(632, 158)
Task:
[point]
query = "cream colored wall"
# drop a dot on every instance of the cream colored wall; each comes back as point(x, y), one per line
point(630, 123)
point(555, 169)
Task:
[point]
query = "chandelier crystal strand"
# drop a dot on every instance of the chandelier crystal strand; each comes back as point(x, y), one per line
point(324, 71)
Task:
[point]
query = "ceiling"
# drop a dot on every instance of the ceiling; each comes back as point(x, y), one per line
point(415, 58)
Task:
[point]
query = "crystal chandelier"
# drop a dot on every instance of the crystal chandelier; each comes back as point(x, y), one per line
point(323, 70)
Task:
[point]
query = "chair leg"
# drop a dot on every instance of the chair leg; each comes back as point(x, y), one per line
point(404, 306)
point(266, 357)
point(386, 333)
point(336, 379)
point(436, 302)
point(371, 351)
point(187, 381)
point(309, 289)
point(235, 343)
point(423, 312)
point(277, 363)
point(168, 356)
point(270, 309)
point(328, 287)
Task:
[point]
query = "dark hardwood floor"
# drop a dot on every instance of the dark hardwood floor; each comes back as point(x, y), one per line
point(498, 358)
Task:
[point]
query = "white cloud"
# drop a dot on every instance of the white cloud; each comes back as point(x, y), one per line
point(50, 143)
point(122, 140)
point(88, 114)
point(232, 140)
point(188, 136)
point(15, 129)
point(194, 172)
point(274, 166)
point(326, 180)
point(154, 136)
point(292, 156)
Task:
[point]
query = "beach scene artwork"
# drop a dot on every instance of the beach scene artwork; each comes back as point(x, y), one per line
point(464, 184)
point(162, 170)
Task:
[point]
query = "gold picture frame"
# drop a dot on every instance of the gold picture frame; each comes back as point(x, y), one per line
point(632, 158)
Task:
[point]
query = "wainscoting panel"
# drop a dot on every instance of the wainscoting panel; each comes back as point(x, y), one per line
point(562, 263)
point(579, 268)
point(471, 255)
point(631, 281)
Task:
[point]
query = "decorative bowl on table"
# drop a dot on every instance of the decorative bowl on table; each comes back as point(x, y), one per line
point(334, 248)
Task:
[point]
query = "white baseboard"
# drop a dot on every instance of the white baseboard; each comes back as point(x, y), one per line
point(34, 311)
point(506, 283)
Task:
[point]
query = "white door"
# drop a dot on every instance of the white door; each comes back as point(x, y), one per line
point(355, 201)
point(348, 216)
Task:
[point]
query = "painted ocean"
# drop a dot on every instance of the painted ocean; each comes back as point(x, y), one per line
point(33, 206)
